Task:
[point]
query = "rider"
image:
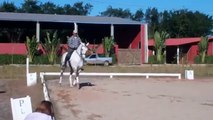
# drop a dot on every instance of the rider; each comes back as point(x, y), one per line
point(73, 42)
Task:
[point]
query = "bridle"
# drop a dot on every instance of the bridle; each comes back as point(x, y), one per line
point(81, 49)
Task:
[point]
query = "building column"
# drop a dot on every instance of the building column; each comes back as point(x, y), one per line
point(38, 32)
point(112, 31)
point(178, 54)
point(146, 43)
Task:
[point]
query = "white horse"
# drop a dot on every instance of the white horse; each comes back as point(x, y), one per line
point(75, 63)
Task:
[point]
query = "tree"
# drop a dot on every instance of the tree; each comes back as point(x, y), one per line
point(165, 21)
point(152, 18)
point(184, 23)
point(108, 43)
point(117, 12)
point(77, 9)
point(59, 10)
point(203, 47)
point(138, 16)
point(48, 8)
point(123, 13)
point(8, 7)
point(30, 6)
point(160, 39)
point(31, 45)
point(81, 9)
point(51, 46)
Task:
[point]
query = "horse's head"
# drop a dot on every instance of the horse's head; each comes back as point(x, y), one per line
point(82, 49)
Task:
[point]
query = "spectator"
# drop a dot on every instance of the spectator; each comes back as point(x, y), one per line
point(44, 111)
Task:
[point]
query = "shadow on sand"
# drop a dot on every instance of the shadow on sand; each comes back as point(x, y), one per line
point(86, 84)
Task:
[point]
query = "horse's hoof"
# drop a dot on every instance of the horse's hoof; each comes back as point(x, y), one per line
point(74, 83)
point(78, 86)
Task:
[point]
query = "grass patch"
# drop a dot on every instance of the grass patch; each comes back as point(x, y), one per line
point(19, 71)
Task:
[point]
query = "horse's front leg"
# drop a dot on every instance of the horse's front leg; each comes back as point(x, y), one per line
point(77, 79)
point(61, 76)
point(70, 77)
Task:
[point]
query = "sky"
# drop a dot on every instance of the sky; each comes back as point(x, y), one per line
point(203, 6)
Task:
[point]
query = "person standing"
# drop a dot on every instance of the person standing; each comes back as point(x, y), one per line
point(73, 42)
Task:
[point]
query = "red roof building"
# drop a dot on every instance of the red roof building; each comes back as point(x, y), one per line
point(182, 50)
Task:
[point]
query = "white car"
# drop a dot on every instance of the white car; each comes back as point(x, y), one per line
point(95, 59)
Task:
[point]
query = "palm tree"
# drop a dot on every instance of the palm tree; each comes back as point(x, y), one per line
point(160, 39)
point(108, 43)
point(32, 46)
point(51, 46)
point(203, 47)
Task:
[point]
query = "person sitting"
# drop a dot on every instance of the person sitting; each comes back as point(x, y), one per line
point(73, 42)
point(44, 111)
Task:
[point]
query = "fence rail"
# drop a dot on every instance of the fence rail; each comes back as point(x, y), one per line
point(147, 75)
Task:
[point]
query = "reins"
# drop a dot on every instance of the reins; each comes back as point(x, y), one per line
point(80, 54)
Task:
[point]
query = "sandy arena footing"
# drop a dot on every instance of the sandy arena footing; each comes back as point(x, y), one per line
point(134, 98)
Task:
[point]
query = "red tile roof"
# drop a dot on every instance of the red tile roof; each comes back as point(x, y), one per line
point(177, 41)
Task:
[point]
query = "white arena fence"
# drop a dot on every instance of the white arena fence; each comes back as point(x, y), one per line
point(111, 75)
point(147, 75)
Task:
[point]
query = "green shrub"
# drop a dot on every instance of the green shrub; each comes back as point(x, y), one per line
point(32, 46)
point(51, 46)
point(21, 59)
point(113, 58)
point(12, 59)
point(208, 60)
point(43, 59)
point(152, 59)
point(197, 60)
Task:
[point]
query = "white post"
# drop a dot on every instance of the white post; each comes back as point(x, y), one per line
point(112, 31)
point(146, 43)
point(178, 53)
point(31, 77)
point(38, 31)
point(27, 67)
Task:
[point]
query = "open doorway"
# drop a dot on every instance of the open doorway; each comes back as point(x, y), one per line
point(171, 54)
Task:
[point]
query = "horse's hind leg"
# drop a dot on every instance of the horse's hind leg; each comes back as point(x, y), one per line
point(70, 79)
point(77, 82)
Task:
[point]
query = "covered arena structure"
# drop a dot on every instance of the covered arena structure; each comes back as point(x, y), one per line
point(130, 36)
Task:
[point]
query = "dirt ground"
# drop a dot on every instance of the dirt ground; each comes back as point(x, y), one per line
point(117, 98)
point(133, 99)
point(17, 89)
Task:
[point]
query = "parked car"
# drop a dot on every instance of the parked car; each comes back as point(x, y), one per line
point(96, 59)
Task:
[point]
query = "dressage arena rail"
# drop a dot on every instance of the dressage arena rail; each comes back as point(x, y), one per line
point(46, 94)
point(147, 75)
